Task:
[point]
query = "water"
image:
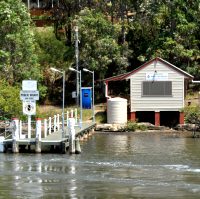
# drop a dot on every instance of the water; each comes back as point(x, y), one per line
point(111, 166)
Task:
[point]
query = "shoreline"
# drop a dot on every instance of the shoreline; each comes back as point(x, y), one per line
point(163, 131)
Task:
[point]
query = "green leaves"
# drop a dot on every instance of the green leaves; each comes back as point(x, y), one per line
point(17, 57)
point(10, 103)
point(99, 46)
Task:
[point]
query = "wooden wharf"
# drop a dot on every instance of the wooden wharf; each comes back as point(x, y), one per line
point(53, 142)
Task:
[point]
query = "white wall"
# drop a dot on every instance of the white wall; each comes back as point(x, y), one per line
point(172, 103)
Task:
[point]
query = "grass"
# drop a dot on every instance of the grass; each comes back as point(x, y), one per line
point(45, 111)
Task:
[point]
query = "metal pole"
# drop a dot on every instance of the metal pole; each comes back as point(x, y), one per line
point(93, 108)
point(28, 4)
point(29, 126)
point(77, 65)
point(81, 111)
point(63, 106)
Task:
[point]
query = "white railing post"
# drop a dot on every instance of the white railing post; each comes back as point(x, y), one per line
point(75, 113)
point(72, 113)
point(58, 122)
point(45, 128)
point(49, 125)
point(15, 132)
point(38, 129)
point(67, 117)
point(54, 124)
point(20, 129)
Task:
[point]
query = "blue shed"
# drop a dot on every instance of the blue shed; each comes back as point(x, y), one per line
point(86, 97)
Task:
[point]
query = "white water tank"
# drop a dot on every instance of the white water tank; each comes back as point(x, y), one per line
point(117, 110)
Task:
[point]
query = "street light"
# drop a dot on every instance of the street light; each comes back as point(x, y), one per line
point(81, 112)
point(93, 108)
point(63, 104)
point(77, 64)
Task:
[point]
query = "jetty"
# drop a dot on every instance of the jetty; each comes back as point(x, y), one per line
point(47, 136)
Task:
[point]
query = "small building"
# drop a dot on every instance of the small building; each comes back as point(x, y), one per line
point(157, 92)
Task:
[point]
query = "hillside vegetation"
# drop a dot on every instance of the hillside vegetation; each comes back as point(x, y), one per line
point(114, 37)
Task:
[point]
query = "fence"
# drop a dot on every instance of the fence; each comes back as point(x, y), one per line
point(48, 126)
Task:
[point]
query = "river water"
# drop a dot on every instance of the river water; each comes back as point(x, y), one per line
point(111, 166)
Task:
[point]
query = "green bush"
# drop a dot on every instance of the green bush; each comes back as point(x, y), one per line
point(10, 103)
point(192, 114)
point(101, 117)
point(133, 126)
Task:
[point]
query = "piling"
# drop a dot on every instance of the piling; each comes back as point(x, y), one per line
point(38, 136)
point(71, 129)
point(1, 144)
point(15, 135)
point(63, 147)
point(77, 146)
point(85, 136)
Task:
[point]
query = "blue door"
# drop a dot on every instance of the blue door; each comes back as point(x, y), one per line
point(86, 97)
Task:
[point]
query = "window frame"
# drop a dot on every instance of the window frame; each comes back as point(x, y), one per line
point(156, 95)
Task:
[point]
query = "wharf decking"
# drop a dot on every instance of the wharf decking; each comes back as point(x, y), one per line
point(52, 141)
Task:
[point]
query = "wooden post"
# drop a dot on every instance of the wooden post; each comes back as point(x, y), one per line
point(38, 136)
point(71, 130)
point(133, 116)
point(157, 118)
point(181, 118)
point(15, 135)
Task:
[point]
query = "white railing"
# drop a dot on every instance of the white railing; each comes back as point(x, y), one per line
point(48, 126)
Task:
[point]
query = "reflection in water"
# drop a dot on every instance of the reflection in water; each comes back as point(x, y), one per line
point(110, 166)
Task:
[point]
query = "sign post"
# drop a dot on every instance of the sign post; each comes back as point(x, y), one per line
point(29, 94)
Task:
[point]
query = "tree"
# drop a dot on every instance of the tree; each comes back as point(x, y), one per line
point(18, 60)
point(169, 29)
point(99, 48)
point(50, 54)
point(10, 104)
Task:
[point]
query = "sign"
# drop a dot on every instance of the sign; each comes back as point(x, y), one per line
point(156, 76)
point(26, 95)
point(29, 107)
point(29, 85)
point(74, 94)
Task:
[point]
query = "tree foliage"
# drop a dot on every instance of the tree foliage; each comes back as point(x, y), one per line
point(18, 60)
point(115, 37)
point(99, 47)
point(10, 104)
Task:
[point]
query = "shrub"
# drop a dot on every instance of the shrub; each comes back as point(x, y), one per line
point(192, 114)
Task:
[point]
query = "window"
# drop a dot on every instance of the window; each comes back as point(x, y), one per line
point(157, 88)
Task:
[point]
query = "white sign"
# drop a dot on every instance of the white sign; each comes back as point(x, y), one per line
point(74, 94)
point(156, 76)
point(29, 95)
point(29, 107)
point(29, 85)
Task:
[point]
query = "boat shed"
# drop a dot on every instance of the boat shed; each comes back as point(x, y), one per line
point(157, 92)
